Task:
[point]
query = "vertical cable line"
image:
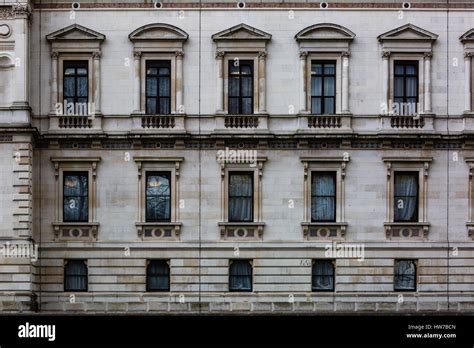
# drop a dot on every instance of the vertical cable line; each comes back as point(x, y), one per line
point(200, 154)
point(447, 156)
point(40, 152)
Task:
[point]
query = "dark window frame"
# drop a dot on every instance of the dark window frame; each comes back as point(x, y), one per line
point(167, 275)
point(404, 76)
point(416, 174)
point(164, 174)
point(395, 275)
point(313, 196)
point(241, 261)
point(322, 97)
point(251, 175)
point(77, 173)
point(66, 275)
point(314, 276)
point(158, 99)
point(239, 76)
point(75, 64)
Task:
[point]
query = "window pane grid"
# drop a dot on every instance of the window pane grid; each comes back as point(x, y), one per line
point(240, 276)
point(75, 196)
point(240, 85)
point(406, 197)
point(323, 275)
point(158, 87)
point(240, 197)
point(158, 196)
point(323, 87)
point(75, 275)
point(406, 85)
point(405, 275)
point(158, 275)
point(76, 84)
point(323, 196)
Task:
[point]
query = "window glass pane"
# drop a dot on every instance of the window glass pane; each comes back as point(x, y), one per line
point(411, 90)
point(233, 105)
point(323, 192)
point(406, 197)
point(240, 276)
point(151, 71)
point(247, 106)
point(399, 69)
point(82, 87)
point(247, 86)
point(164, 71)
point(165, 87)
point(151, 86)
point(165, 106)
point(69, 71)
point(151, 106)
point(82, 71)
point(69, 86)
point(329, 106)
point(317, 69)
point(246, 69)
point(75, 275)
point(75, 185)
point(158, 197)
point(316, 86)
point(316, 105)
point(410, 69)
point(329, 86)
point(240, 197)
point(398, 87)
point(234, 87)
point(158, 275)
point(405, 275)
point(329, 69)
point(323, 275)
point(233, 68)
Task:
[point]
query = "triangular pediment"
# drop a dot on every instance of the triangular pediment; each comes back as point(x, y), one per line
point(75, 32)
point(408, 32)
point(241, 32)
point(467, 36)
point(158, 31)
point(325, 31)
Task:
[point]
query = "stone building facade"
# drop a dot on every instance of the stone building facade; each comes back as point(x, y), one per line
point(281, 131)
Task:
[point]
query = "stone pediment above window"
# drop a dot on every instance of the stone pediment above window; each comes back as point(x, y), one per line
point(241, 32)
point(325, 37)
point(158, 31)
point(75, 32)
point(407, 38)
point(468, 36)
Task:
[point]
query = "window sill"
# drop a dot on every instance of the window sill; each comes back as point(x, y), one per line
point(241, 230)
point(324, 230)
point(311, 123)
point(401, 230)
point(76, 231)
point(159, 230)
point(63, 123)
point(231, 122)
point(171, 122)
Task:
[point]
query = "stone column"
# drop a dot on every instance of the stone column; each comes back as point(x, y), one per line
point(467, 81)
point(345, 82)
point(54, 82)
point(220, 82)
point(386, 80)
point(261, 83)
point(136, 82)
point(96, 59)
point(179, 82)
point(427, 84)
point(303, 92)
point(21, 81)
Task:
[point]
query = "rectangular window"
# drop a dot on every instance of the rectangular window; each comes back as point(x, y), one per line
point(240, 275)
point(158, 196)
point(76, 81)
point(240, 87)
point(75, 275)
point(405, 87)
point(323, 275)
point(76, 197)
point(323, 196)
point(240, 196)
point(323, 87)
point(406, 197)
point(158, 275)
point(405, 275)
point(158, 87)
